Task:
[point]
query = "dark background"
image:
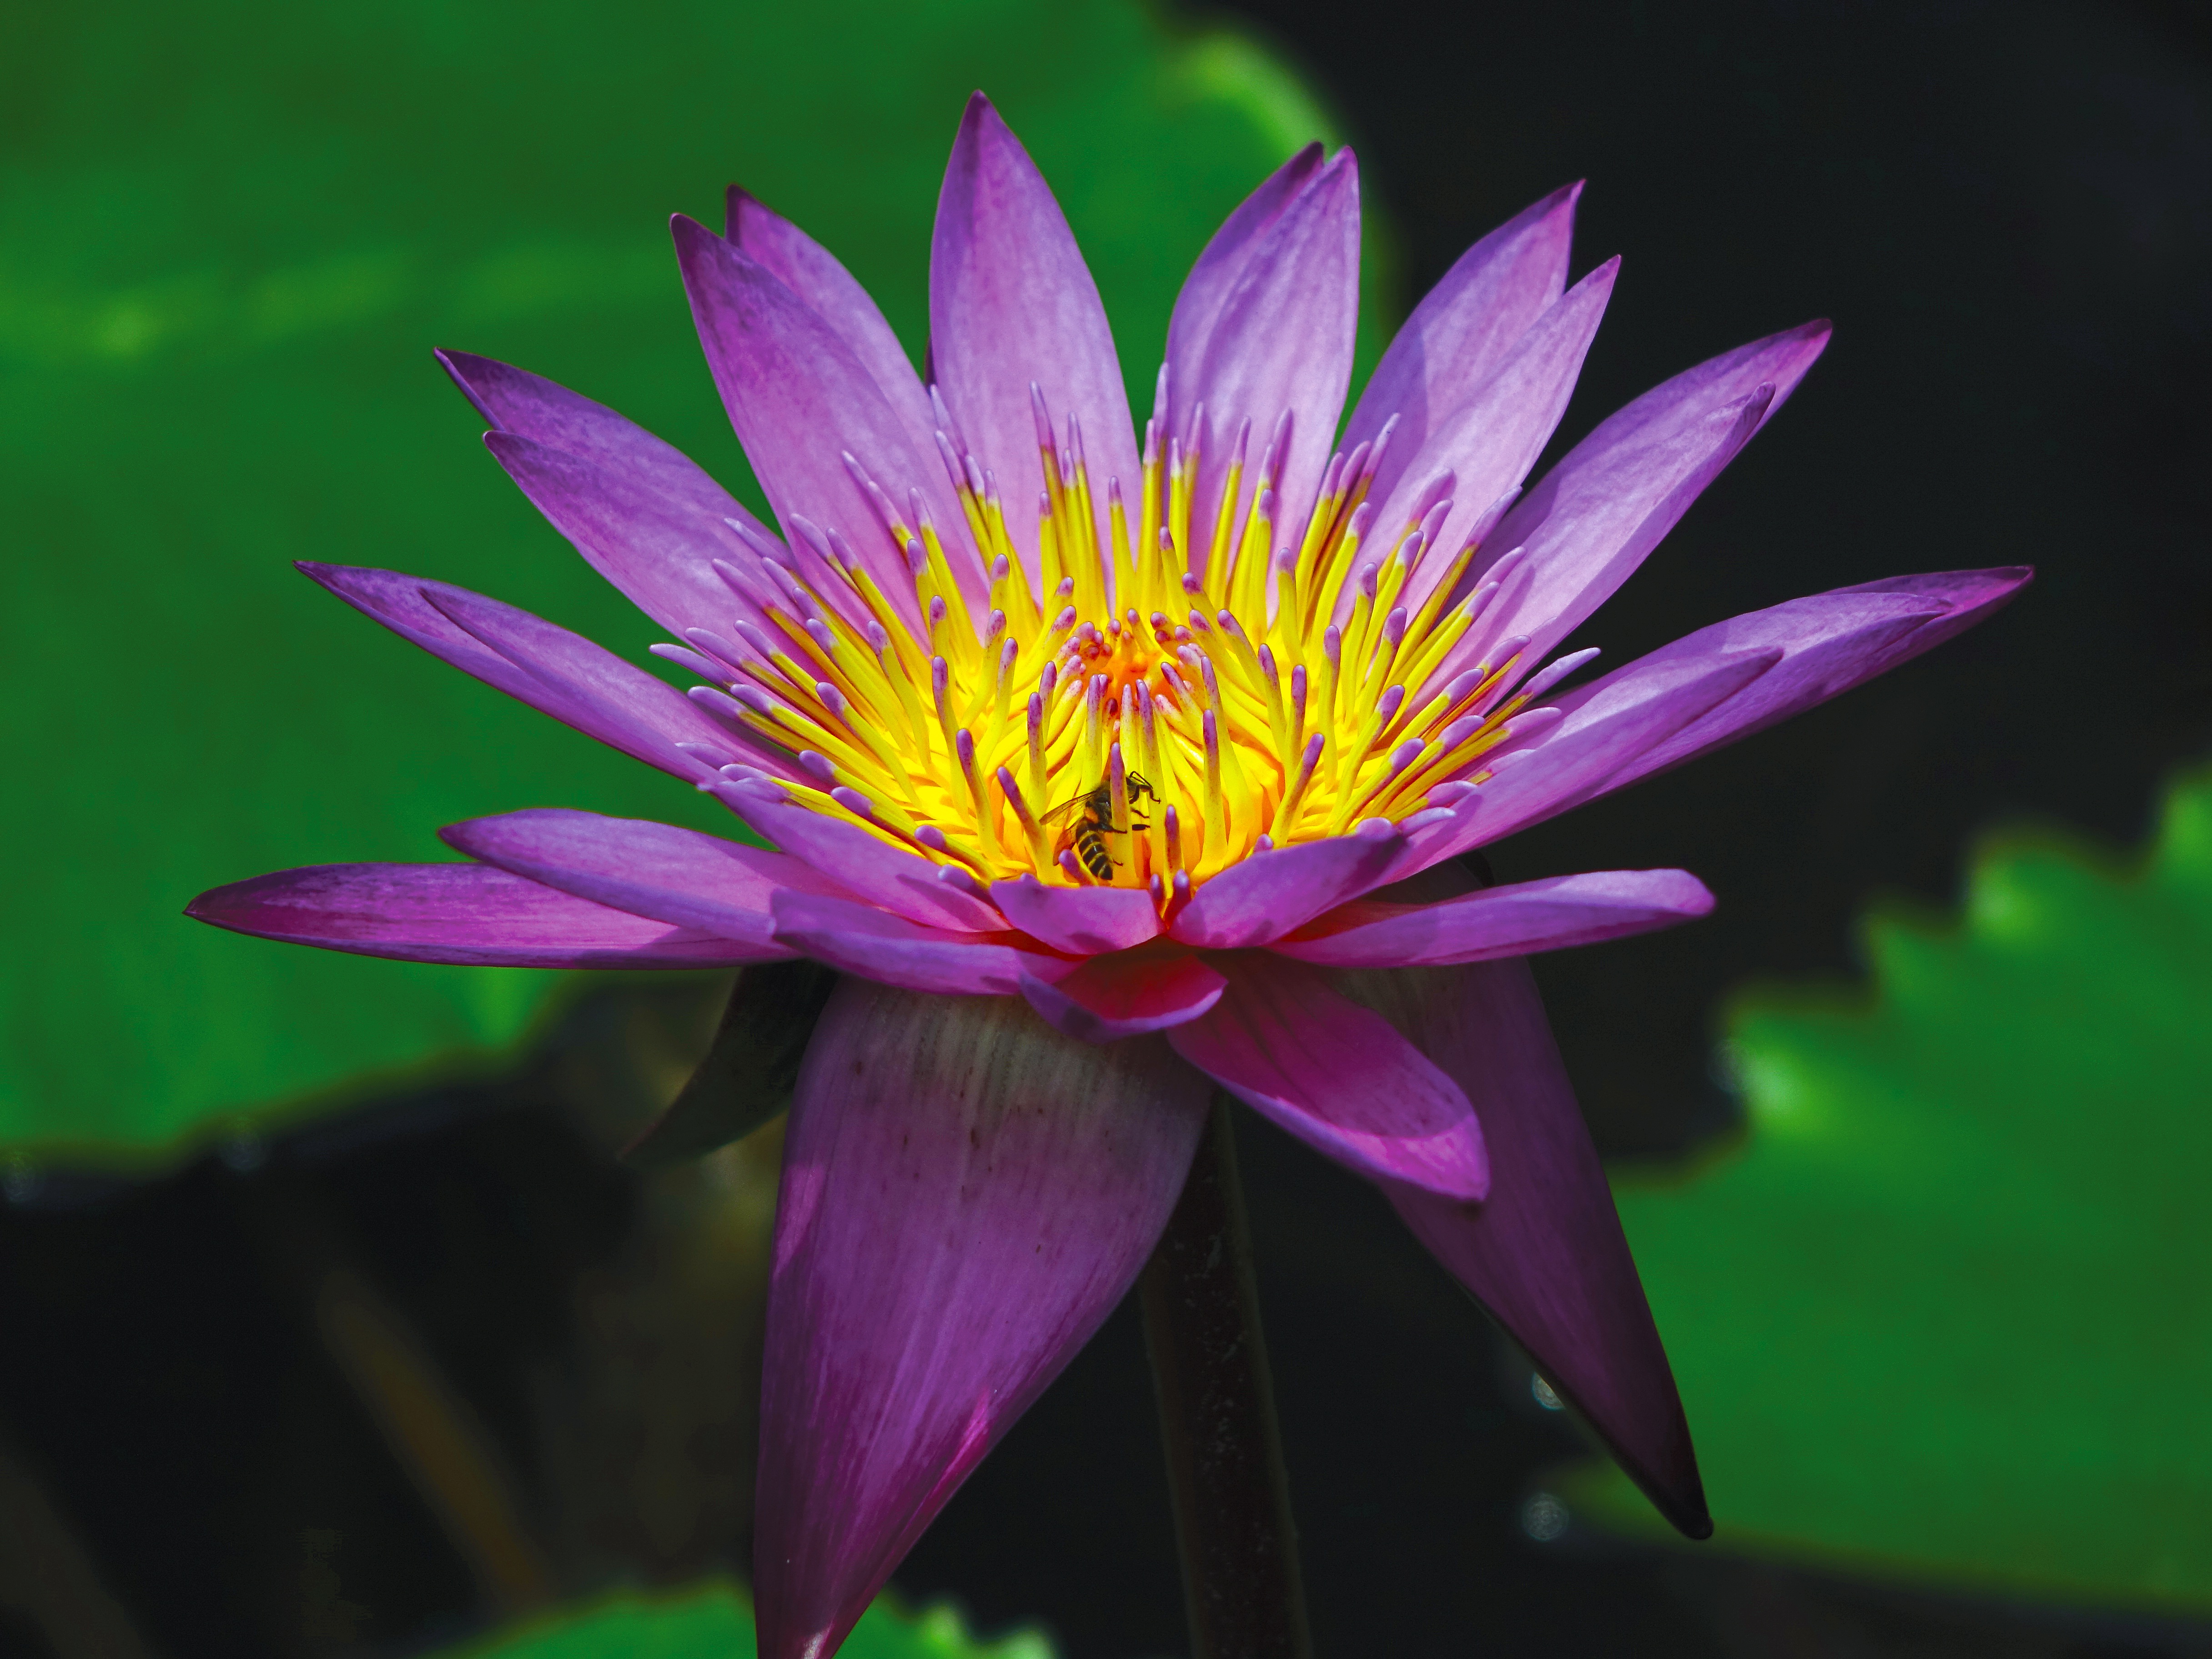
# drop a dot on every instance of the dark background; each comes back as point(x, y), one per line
point(2008, 211)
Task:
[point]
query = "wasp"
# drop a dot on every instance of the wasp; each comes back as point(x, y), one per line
point(1087, 834)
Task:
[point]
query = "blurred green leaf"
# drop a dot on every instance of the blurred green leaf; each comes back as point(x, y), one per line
point(1947, 1314)
point(230, 235)
point(714, 1622)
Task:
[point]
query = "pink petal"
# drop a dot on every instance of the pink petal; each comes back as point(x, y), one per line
point(552, 670)
point(1011, 302)
point(1462, 329)
point(1589, 753)
point(1830, 642)
point(1545, 1253)
point(1268, 894)
point(1599, 513)
point(850, 857)
point(461, 913)
point(967, 1195)
point(799, 400)
point(1336, 1076)
point(1226, 256)
point(1080, 921)
point(1500, 922)
point(657, 548)
point(1489, 442)
point(812, 272)
point(676, 876)
point(859, 938)
point(1280, 339)
point(1109, 998)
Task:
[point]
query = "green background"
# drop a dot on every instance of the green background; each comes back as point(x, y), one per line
point(219, 292)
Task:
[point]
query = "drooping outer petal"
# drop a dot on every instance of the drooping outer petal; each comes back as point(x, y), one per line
point(674, 875)
point(1830, 642)
point(1127, 994)
point(1282, 340)
point(552, 670)
point(461, 913)
point(1500, 922)
point(1335, 1075)
point(813, 273)
point(1595, 516)
point(800, 400)
point(1462, 329)
point(1012, 303)
point(1545, 1253)
point(966, 1195)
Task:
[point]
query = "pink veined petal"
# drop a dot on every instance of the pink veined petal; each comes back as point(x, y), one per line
point(1545, 1255)
point(1462, 329)
point(1012, 303)
point(1268, 894)
point(1080, 921)
point(966, 1195)
point(1489, 442)
point(904, 883)
point(1128, 994)
point(1227, 252)
point(801, 400)
point(1280, 340)
point(813, 273)
point(1587, 754)
point(657, 548)
point(673, 875)
point(855, 937)
point(1336, 1076)
point(1517, 921)
point(1830, 642)
point(459, 913)
point(555, 671)
point(1598, 514)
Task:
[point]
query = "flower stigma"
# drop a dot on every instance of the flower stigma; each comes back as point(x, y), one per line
point(1243, 677)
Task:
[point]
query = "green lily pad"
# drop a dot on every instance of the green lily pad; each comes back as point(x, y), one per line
point(1946, 1313)
point(229, 239)
point(713, 1621)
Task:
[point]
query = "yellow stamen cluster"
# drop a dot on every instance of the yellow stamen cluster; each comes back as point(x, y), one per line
point(1275, 690)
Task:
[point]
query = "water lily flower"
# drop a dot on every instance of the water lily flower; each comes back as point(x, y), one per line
point(1110, 768)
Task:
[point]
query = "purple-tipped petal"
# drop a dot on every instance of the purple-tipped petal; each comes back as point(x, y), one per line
point(471, 914)
point(966, 1195)
point(1080, 921)
point(656, 549)
point(531, 406)
point(1462, 329)
point(1110, 998)
point(800, 400)
point(674, 875)
point(1599, 513)
point(1517, 921)
point(1491, 441)
point(1830, 642)
point(1589, 752)
point(859, 939)
point(1337, 1076)
point(1545, 1255)
point(813, 273)
point(902, 882)
point(1281, 338)
point(1012, 303)
point(1268, 894)
point(555, 671)
point(1227, 253)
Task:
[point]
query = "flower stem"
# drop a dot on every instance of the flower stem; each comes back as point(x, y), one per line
point(1232, 1498)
